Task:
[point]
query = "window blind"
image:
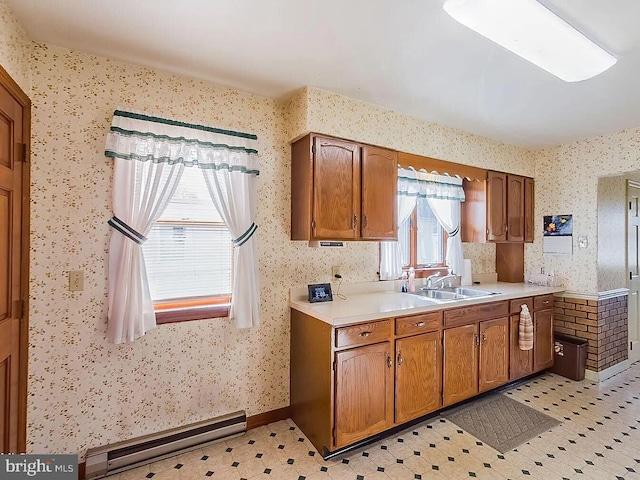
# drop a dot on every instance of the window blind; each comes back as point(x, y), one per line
point(189, 252)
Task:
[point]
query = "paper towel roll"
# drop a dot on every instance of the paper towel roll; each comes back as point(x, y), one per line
point(466, 273)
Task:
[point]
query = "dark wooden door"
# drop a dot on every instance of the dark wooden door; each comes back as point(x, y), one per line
point(515, 208)
point(496, 206)
point(542, 339)
point(418, 376)
point(336, 189)
point(13, 117)
point(521, 361)
point(460, 363)
point(379, 191)
point(494, 353)
point(364, 392)
point(529, 188)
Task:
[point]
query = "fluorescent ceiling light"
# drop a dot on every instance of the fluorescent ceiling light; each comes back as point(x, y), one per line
point(530, 30)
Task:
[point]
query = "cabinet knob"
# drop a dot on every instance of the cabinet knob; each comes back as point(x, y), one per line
point(420, 324)
point(476, 339)
point(364, 334)
point(355, 221)
point(546, 302)
point(389, 361)
point(400, 359)
point(484, 338)
point(364, 221)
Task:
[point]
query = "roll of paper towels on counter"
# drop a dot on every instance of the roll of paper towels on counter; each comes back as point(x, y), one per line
point(466, 272)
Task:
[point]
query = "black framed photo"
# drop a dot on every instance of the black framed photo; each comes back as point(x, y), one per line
point(320, 292)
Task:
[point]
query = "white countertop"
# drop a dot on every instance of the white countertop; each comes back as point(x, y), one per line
point(378, 300)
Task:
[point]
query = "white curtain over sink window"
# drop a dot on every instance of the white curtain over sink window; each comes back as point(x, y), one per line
point(444, 194)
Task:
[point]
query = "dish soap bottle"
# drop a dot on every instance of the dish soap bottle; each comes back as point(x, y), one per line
point(412, 280)
point(405, 285)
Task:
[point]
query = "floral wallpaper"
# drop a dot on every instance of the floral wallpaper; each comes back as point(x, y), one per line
point(84, 392)
point(15, 48)
point(567, 183)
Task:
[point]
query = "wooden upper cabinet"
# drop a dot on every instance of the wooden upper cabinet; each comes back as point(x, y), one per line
point(379, 190)
point(342, 190)
point(515, 208)
point(336, 189)
point(496, 207)
point(363, 392)
point(529, 226)
point(499, 210)
point(418, 376)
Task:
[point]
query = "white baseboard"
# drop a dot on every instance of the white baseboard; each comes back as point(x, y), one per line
point(606, 373)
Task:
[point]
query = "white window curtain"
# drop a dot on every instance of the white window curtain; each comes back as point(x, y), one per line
point(149, 155)
point(233, 191)
point(413, 184)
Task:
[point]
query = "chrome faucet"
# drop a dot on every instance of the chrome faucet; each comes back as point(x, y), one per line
point(436, 278)
point(441, 280)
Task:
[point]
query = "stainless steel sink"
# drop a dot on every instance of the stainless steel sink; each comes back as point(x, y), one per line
point(439, 294)
point(449, 294)
point(467, 292)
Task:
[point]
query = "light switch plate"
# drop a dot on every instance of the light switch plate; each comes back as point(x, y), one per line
point(582, 242)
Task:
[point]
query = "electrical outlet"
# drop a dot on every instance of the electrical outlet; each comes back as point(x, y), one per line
point(336, 270)
point(76, 280)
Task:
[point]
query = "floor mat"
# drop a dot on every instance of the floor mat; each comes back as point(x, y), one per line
point(501, 422)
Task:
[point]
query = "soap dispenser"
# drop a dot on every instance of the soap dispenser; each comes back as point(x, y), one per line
point(412, 280)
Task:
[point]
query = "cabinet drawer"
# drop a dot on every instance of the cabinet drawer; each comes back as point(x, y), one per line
point(475, 313)
point(543, 302)
point(363, 334)
point(427, 322)
point(514, 305)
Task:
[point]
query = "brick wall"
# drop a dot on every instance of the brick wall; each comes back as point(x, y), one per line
point(602, 322)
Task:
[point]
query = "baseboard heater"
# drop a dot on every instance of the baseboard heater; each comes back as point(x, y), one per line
point(121, 456)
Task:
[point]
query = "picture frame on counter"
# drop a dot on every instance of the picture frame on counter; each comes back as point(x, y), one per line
point(320, 292)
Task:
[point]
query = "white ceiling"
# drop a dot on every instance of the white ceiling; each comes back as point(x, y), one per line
point(405, 55)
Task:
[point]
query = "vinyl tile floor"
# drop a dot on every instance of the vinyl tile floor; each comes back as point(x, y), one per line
point(599, 438)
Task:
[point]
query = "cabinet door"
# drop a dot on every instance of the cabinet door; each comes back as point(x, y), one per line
point(460, 364)
point(520, 361)
point(542, 339)
point(496, 206)
point(515, 208)
point(336, 189)
point(494, 353)
point(379, 190)
point(418, 376)
point(528, 209)
point(364, 392)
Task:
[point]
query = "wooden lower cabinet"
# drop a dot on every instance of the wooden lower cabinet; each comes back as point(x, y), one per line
point(542, 339)
point(460, 364)
point(521, 361)
point(476, 359)
point(418, 376)
point(494, 354)
point(364, 392)
point(352, 382)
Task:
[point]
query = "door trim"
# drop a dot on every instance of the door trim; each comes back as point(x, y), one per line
point(23, 99)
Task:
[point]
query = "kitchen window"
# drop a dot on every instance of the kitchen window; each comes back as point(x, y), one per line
point(422, 239)
point(189, 256)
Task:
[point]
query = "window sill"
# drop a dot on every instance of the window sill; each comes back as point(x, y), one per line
point(187, 314)
point(424, 272)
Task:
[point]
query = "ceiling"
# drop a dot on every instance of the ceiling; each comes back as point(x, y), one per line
point(408, 56)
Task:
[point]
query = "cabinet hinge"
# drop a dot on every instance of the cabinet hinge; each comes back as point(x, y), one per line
point(24, 152)
point(313, 149)
point(333, 366)
point(18, 308)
